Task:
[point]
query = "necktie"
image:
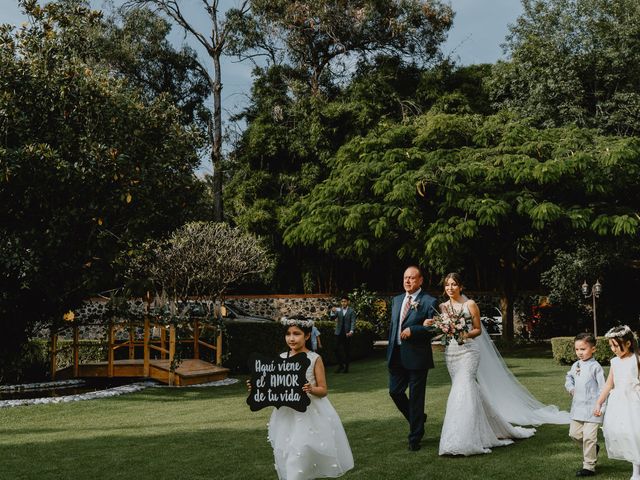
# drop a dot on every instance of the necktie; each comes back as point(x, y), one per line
point(405, 310)
point(345, 327)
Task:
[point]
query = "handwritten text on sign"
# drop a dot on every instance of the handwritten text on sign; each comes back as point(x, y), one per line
point(278, 382)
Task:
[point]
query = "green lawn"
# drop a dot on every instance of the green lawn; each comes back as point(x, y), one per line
point(210, 433)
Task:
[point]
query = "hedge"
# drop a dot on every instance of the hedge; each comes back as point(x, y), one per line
point(267, 338)
point(564, 351)
point(361, 342)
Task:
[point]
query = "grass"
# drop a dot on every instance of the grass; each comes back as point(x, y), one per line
point(205, 433)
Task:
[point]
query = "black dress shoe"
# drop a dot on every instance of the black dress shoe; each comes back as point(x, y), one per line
point(585, 473)
point(414, 447)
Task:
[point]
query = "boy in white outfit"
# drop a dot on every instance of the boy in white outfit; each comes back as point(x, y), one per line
point(585, 382)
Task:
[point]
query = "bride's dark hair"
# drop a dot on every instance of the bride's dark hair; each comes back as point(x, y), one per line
point(455, 276)
point(621, 335)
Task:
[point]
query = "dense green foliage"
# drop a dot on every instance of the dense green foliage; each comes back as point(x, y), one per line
point(363, 150)
point(306, 103)
point(289, 143)
point(134, 43)
point(484, 184)
point(90, 167)
point(372, 308)
point(574, 62)
point(474, 174)
point(212, 39)
point(493, 183)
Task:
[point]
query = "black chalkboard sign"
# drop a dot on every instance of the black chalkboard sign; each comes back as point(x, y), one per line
point(278, 382)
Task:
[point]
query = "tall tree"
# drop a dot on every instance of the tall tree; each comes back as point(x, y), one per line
point(316, 36)
point(135, 44)
point(574, 62)
point(287, 146)
point(301, 111)
point(215, 44)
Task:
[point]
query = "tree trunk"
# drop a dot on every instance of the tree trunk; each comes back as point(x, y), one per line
point(506, 301)
point(216, 149)
point(506, 307)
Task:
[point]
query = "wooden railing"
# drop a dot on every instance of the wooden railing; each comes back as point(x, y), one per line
point(166, 347)
point(54, 350)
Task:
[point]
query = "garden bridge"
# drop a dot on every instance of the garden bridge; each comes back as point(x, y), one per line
point(157, 338)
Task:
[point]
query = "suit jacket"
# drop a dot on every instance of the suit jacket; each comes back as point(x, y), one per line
point(415, 352)
point(348, 317)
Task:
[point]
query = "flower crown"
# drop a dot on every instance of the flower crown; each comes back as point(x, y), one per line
point(296, 322)
point(615, 334)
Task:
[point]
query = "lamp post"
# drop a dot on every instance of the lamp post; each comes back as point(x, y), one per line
point(593, 292)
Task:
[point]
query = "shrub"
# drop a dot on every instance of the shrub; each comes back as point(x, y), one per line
point(201, 259)
point(564, 352)
point(543, 320)
point(89, 351)
point(34, 363)
point(267, 338)
point(246, 338)
point(361, 342)
point(371, 308)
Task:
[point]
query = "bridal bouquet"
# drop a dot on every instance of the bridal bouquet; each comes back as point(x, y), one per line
point(452, 324)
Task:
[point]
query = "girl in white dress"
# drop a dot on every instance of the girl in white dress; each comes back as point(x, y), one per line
point(471, 426)
point(621, 425)
point(310, 444)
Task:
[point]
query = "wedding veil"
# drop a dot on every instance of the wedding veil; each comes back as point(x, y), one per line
point(502, 390)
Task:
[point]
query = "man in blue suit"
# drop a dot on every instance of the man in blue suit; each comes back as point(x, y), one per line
point(409, 355)
point(345, 325)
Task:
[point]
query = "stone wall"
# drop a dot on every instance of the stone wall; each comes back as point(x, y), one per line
point(93, 308)
point(270, 306)
point(277, 306)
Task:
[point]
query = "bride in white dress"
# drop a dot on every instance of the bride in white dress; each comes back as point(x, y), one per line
point(485, 398)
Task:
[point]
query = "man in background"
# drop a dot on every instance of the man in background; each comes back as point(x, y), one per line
point(345, 325)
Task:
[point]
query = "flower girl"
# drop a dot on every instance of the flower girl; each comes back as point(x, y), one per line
point(310, 444)
point(621, 424)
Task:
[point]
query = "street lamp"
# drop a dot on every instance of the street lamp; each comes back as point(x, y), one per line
point(593, 292)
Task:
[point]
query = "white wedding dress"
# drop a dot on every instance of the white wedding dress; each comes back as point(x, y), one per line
point(311, 444)
point(481, 385)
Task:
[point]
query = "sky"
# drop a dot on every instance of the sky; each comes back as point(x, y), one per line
point(479, 29)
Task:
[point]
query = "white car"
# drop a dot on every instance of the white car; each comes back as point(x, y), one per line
point(493, 325)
